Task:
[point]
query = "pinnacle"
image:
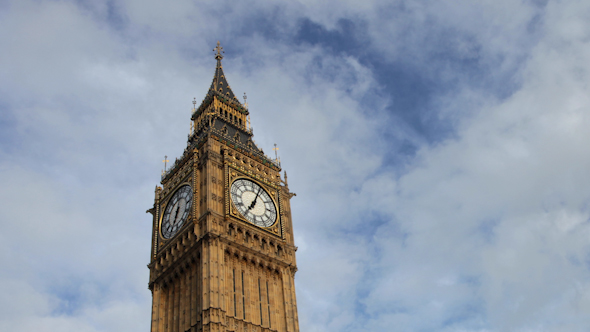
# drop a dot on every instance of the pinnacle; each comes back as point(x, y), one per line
point(219, 85)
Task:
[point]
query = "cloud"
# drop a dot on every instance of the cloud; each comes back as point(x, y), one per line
point(487, 214)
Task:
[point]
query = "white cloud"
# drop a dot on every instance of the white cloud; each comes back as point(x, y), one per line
point(503, 203)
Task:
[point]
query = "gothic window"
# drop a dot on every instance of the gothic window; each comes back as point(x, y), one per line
point(243, 298)
point(260, 302)
point(235, 294)
point(268, 305)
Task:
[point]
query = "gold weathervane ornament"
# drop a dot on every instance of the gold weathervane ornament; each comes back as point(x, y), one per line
point(165, 161)
point(193, 111)
point(276, 149)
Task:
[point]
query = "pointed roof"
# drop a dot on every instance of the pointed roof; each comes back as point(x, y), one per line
point(219, 85)
point(219, 90)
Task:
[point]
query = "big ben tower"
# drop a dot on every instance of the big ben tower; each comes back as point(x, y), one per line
point(223, 255)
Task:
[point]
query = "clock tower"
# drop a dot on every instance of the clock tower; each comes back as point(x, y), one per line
point(222, 255)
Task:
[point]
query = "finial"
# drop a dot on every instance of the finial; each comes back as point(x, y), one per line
point(245, 101)
point(219, 50)
point(276, 149)
point(165, 161)
point(194, 103)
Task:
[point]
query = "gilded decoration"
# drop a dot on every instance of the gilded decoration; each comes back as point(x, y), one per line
point(234, 174)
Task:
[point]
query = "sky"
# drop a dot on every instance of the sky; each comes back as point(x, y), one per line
point(439, 151)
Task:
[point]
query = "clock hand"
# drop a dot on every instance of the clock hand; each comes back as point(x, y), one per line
point(254, 201)
point(175, 215)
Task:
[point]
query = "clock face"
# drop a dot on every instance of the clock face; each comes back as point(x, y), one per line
point(177, 211)
point(253, 202)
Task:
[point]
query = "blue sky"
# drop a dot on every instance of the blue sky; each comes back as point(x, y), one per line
point(439, 152)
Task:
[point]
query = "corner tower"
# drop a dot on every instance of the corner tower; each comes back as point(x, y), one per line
point(223, 255)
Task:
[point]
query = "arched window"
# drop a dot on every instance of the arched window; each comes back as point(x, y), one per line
point(260, 302)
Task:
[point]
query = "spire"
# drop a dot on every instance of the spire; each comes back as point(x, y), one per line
point(219, 85)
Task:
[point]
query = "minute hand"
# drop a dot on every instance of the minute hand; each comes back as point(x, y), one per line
point(254, 201)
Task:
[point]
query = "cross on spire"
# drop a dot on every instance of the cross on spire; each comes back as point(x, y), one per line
point(219, 50)
point(219, 86)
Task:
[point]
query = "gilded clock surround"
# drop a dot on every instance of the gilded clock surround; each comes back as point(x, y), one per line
point(234, 175)
point(220, 272)
point(165, 205)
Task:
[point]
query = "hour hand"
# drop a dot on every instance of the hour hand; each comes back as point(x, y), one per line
point(254, 201)
point(252, 204)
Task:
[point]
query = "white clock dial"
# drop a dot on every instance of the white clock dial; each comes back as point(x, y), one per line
point(253, 202)
point(177, 211)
